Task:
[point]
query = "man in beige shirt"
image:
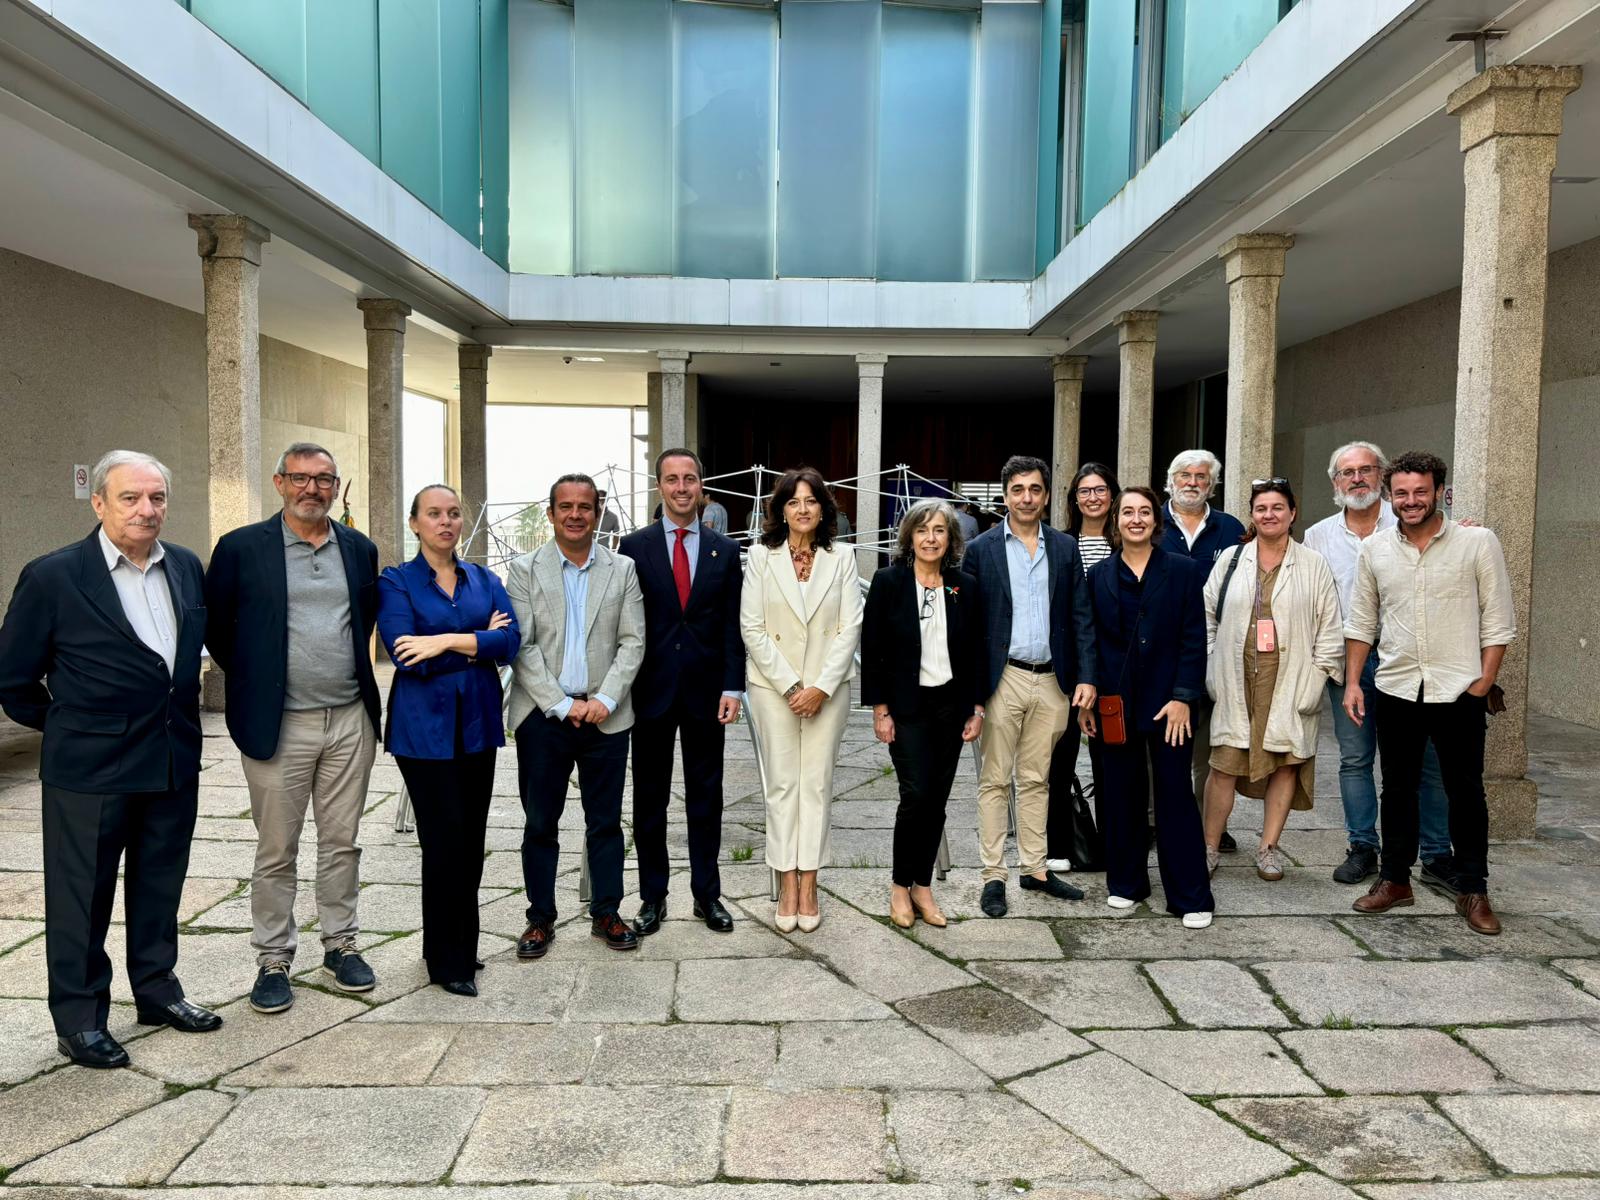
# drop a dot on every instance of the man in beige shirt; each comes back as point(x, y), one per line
point(1440, 594)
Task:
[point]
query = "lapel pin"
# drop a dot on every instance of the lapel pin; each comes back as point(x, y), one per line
point(713, 554)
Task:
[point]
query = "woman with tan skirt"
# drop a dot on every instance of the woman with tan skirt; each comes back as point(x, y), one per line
point(1275, 638)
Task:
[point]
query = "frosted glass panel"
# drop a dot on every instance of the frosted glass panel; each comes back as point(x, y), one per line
point(458, 113)
point(623, 55)
point(827, 111)
point(1204, 42)
point(270, 33)
point(924, 130)
point(494, 113)
point(727, 66)
point(1008, 141)
point(541, 138)
point(408, 91)
point(342, 69)
point(1108, 83)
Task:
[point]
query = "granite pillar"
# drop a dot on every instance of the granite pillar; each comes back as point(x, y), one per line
point(385, 322)
point(1136, 395)
point(869, 459)
point(1253, 263)
point(1066, 375)
point(469, 447)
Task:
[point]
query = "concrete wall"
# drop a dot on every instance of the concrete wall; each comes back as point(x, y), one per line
point(1391, 380)
point(87, 367)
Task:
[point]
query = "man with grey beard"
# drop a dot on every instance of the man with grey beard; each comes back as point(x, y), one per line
point(1357, 470)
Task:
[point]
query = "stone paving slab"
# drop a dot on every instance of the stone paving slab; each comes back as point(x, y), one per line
point(996, 1032)
point(373, 1055)
point(805, 1135)
point(55, 1110)
point(1211, 1063)
point(22, 895)
point(1245, 939)
point(1449, 937)
point(769, 990)
point(869, 1054)
point(486, 1055)
point(13, 932)
point(981, 1136)
point(215, 967)
point(1532, 1135)
point(620, 990)
point(336, 1135)
point(580, 1134)
point(983, 939)
point(508, 990)
point(1216, 995)
point(1081, 995)
point(685, 1054)
point(958, 895)
point(1364, 1137)
point(1177, 1146)
point(1240, 893)
point(1307, 1185)
point(1585, 970)
point(1428, 993)
point(1559, 1058)
point(1499, 1189)
point(1388, 1061)
point(245, 1036)
point(142, 1149)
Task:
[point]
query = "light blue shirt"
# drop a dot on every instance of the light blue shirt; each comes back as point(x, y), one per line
point(691, 544)
point(146, 598)
point(574, 677)
point(1030, 598)
point(715, 517)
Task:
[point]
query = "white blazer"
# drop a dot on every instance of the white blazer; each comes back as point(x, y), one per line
point(808, 638)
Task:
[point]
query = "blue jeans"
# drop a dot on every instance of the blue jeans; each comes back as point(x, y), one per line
point(1358, 747)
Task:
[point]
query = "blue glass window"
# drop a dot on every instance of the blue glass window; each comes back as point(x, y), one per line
point(1202, 44)
point(542, 156)
point(1110, 76)
point(1008, 141)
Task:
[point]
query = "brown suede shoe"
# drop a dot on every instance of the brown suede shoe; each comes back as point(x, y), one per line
point(1474, 906)
point(1383, 896)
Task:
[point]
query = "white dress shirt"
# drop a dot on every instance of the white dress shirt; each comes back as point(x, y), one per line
point(1437, 609)
point(146, 598)
point(935, 669)
point(1332, 538)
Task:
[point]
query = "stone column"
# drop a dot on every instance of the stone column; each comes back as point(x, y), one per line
point(1066, 374)
point(1510, 118)
point(666, 394)
point(1136, 395)
point(869, 457)
point(470, 445)
point(386, 377)
point(230, 268)
point(1254, 266)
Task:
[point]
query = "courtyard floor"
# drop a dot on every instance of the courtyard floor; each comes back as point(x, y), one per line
point(1293, 1050)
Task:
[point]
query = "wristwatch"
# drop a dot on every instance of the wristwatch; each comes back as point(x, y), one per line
point(793, 688)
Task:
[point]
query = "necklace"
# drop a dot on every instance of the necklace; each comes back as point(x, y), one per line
point(802, 557)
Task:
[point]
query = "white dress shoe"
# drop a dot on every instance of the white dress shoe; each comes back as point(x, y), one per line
point(1196, 920)
point(786, 922)
point(1058, 864)
point(1120, 902)
point(809, 921)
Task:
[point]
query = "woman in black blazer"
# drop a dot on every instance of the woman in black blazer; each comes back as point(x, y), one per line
point(921, 648)
point(1150, 631)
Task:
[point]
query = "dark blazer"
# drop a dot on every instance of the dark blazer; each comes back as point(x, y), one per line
point(692, 654)
point(114, 720)
point(1171, 632)
point(1221, 532)
point(891, 640)
point(1071, 630)
point(247, 631)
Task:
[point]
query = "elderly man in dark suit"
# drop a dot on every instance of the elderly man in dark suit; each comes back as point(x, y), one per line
point(101, 650)
point(690, 683)
point(292, 601)
point(1039, 666)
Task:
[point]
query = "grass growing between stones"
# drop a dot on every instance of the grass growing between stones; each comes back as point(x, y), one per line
point(742, 853)
point(1338, 1021)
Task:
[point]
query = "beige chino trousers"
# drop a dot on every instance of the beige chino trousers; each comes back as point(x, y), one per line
point(1025, 719)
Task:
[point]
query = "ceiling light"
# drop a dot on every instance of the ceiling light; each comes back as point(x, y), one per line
point(587, 358)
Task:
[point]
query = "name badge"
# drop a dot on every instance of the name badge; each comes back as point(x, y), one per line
point(1266, 636)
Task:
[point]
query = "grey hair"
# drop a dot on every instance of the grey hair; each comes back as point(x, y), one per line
point(918, 515)
point(1375, 450)
point(1195, 458)
point(112, 459)
point(300, 450)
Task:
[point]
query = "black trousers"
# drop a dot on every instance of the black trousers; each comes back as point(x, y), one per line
point(85, 834)
point(1456, 729)
point(925, 752)
point(1180, 840)
point(1063, 770)
point(450, 797)
point(547, 751)
point(653, 741)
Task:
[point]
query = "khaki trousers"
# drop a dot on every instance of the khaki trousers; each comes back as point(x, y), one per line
point(1025, 719)
point(324, 757)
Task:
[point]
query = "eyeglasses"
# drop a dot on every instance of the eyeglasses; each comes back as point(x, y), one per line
point(928, 596)
point(325, 482)
point(1085, 493)
point(1277, 481)
point(1356, 472)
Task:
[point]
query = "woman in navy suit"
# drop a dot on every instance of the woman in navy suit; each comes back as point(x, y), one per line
point(1150, 629)
point(447, 625)
point(921, 655)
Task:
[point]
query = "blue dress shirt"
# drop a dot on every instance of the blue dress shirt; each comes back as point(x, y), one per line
point(451, 701)
point(574, 677)
point(1030, 598)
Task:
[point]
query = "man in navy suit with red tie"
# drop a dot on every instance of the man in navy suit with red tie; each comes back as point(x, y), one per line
point(690, 683)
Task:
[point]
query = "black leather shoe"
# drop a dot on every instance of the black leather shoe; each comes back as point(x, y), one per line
point(993, 900)
point(615, 931)
point(182, 1016)
point(1051, 886)
point(1227, 845)
point(651, 914)
point(1441, 870)
point(460, 987)
point(93, 1048)
point(535, 940)
point(717, 918)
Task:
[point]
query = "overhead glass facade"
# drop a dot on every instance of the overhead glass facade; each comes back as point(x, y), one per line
point(1202, 43)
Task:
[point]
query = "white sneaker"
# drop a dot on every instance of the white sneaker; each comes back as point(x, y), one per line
point(1196, 920)
point(1120, 902)
point(1058, 864)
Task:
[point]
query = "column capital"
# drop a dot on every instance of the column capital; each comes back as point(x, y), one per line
point(1255, 254)
point(1066, 368)
point(471, 356)
point(870, 366)
point(1514, 100)
point(675, 362)
point(380, 313)
point(1137, 325)
point(226, 235)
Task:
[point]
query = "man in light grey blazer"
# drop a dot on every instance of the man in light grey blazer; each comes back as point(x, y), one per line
point(582, 619)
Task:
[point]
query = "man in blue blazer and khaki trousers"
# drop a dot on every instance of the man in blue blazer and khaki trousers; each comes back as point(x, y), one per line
point(1039, 666)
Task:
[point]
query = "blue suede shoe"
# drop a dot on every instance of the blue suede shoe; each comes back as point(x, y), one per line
point(349, 970)
point(272, 992)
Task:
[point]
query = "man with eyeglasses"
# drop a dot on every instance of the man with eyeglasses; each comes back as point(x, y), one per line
point(291, 605)
point(1357, 469)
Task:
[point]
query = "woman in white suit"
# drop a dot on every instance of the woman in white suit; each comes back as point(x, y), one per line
point(800, 615)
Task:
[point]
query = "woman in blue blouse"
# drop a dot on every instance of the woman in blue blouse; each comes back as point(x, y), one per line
point(447, 625)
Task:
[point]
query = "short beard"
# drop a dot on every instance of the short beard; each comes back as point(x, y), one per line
point(1356, 503)
point(1182, 504)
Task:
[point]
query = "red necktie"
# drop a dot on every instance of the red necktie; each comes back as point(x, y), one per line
point(680, 567)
